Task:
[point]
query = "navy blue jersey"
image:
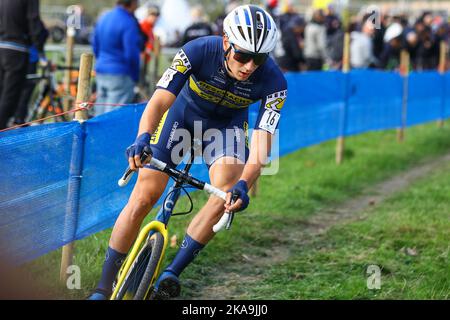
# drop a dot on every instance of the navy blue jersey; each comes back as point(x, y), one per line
point(198, 76)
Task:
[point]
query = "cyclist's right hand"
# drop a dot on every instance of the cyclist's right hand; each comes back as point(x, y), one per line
point(135, 151)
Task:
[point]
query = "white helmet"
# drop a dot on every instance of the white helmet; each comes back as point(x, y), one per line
point(251, 28)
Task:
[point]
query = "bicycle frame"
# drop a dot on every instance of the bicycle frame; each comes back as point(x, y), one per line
point(48, 98)
point(158, 225)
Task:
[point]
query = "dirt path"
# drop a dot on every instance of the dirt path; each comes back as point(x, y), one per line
point(229, 282)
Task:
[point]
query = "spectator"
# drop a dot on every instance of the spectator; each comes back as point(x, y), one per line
point(117, 45)
point(378, 42)
point(390, 57)
point(442, 32)
point(217, 26)
point(361, 45)
point(412, 45)
point(147, 29)
point(427, 19)
point(20, 27)
point(335, 45)
point(427, 51)
point(292, 43)
point(332, 21)
point(271, 7)
point(28, 88)
point(199, 28)
point(315, 41)
point(288, 13)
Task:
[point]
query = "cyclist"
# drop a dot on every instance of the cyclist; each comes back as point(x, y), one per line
point(211, 81)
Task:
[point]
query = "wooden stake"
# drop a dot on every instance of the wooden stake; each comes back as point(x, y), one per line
point(346, 55)
point(82, 96)
point(442, 68)
point(340, 143)
point(404, 71)
point(66, 261)
point(155, 57)
point(84, 83)
point(443, 57)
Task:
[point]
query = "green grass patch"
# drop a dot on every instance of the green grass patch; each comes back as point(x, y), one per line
point(308, 181)
point(407, 238)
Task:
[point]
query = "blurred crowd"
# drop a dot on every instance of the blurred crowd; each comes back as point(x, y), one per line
point(376, 40)
point(316, 41)
point(124, 42)
point(306, 43)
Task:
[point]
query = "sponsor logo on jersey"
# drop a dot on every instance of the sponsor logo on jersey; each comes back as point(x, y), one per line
point(172, 133)
point(166, 78)
point(275, 101)
point(216, 95)
point(157, 134)
point(181, 62)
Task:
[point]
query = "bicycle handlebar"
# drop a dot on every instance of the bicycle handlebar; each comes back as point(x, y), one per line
point(225, 220)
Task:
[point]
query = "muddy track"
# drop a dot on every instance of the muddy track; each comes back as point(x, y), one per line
point(229, 283)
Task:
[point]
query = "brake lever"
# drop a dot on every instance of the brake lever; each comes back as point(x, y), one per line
point(234, 198)
point(129, 173)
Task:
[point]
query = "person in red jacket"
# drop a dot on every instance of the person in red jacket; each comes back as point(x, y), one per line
point(147, 28)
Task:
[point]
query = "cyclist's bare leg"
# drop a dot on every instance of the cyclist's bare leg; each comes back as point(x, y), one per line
point(224, 173)
point(148, 189)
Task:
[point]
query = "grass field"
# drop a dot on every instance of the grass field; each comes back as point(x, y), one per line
point(407, 238)
point(334, 264)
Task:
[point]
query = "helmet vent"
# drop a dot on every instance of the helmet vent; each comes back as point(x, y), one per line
point(241, 31)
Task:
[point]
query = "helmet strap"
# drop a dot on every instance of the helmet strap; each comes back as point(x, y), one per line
point(225, 60)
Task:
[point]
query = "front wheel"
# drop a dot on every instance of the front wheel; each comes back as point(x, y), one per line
point(146, 284)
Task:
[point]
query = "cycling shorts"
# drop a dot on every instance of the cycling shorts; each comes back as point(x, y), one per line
point(220, 136)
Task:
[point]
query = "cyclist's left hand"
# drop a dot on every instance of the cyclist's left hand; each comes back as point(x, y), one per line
point(241, 190)
point(135, 151)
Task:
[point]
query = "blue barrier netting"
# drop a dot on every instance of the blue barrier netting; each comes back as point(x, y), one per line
point(59, 181)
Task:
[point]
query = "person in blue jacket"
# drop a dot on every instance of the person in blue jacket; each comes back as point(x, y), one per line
point(117, 43)
point(208, 88)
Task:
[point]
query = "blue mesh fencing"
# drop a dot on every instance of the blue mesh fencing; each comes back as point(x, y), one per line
point(34, 172)
point(312, 111)
point(374, 101)
point(446, 96)
point(422, 105)
point(59, 181)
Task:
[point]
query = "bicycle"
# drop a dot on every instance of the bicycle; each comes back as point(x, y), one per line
point(141, 267)
point(50, 94)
